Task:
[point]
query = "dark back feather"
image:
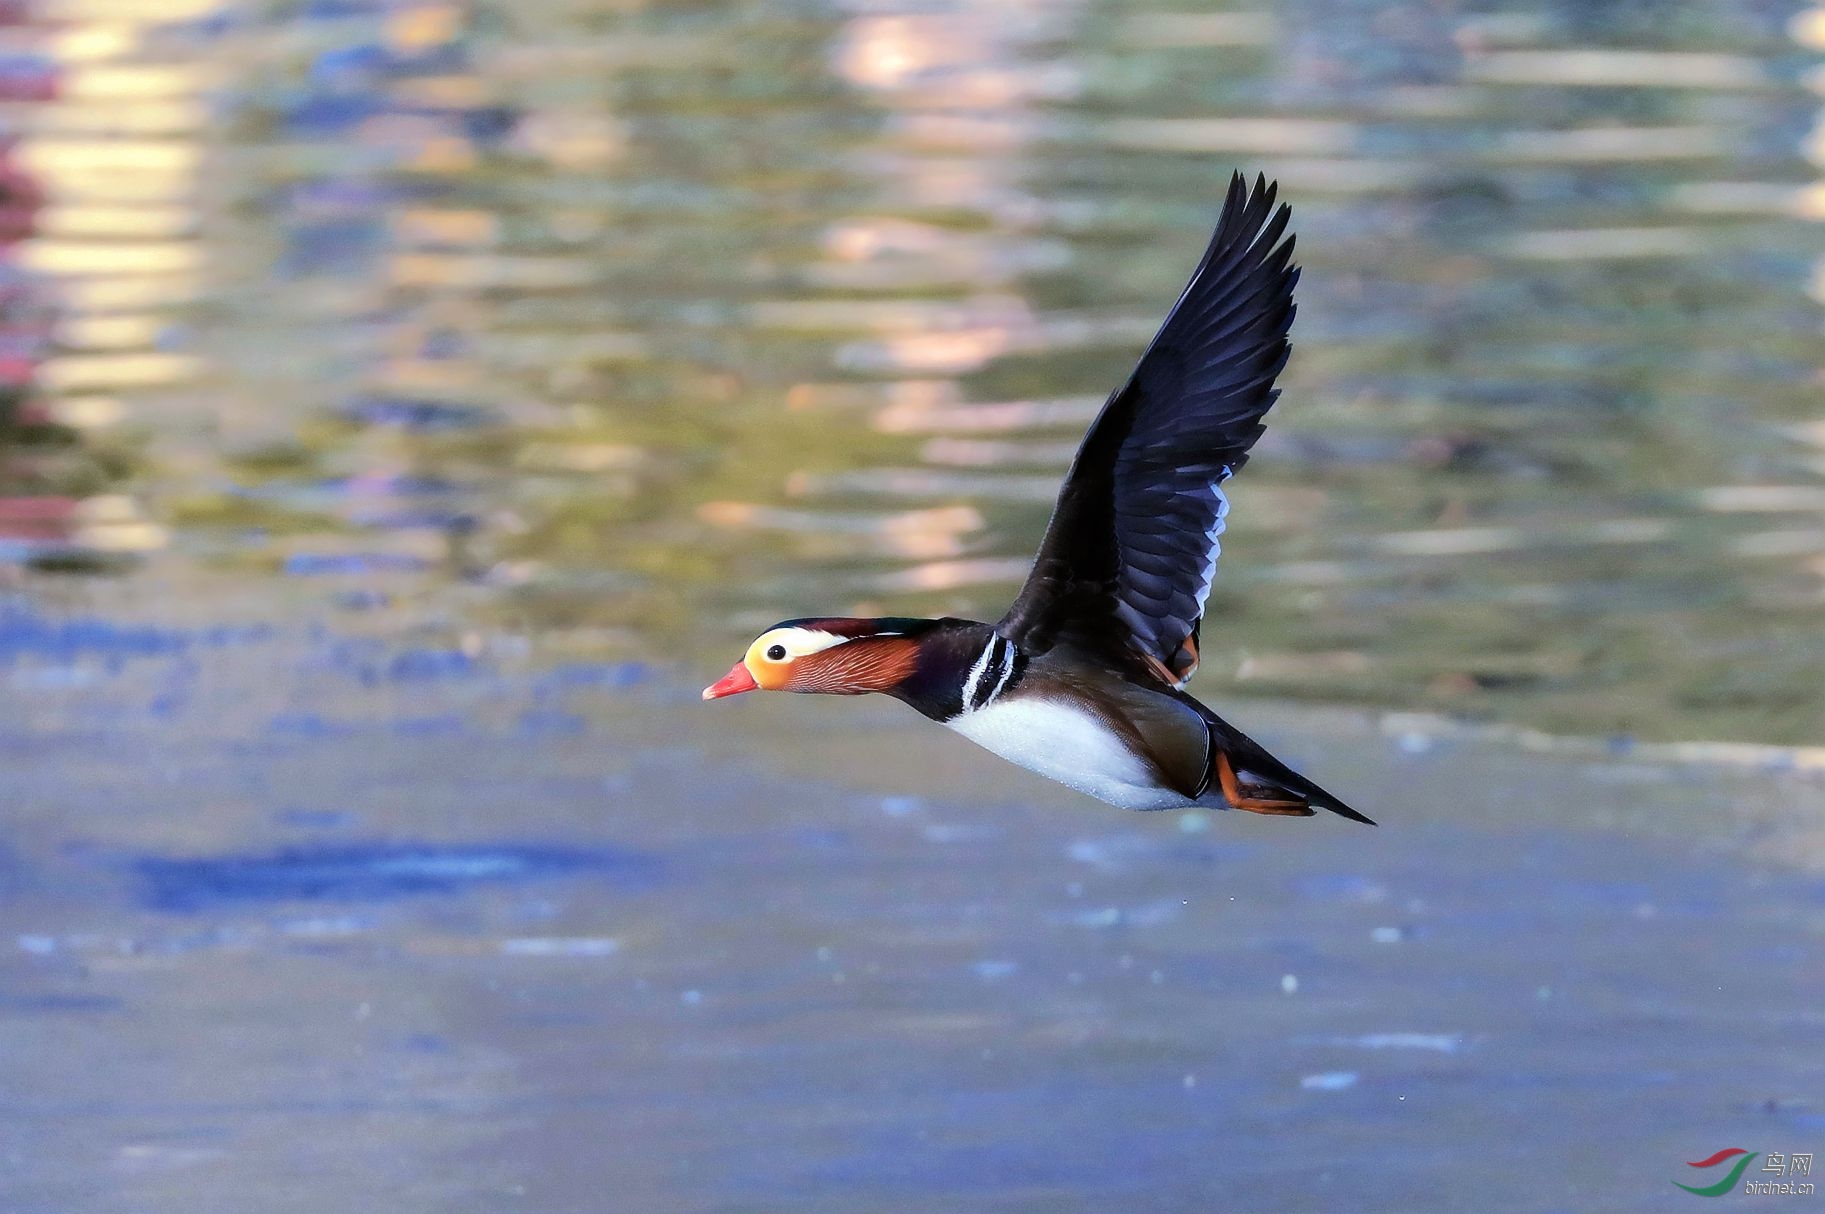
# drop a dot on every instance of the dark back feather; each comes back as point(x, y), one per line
point(1127, 559)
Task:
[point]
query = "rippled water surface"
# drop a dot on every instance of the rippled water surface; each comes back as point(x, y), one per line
point(303, 923)
point(652, 323)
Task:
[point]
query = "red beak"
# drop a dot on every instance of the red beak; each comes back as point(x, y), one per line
point(734, 683)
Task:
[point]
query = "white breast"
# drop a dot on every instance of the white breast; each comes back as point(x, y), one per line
point(1067, 744)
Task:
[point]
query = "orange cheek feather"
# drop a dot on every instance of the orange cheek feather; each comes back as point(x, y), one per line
point(853, 669)
point(774, 676)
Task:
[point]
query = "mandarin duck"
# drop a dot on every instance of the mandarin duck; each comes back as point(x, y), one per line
point(1083, 680)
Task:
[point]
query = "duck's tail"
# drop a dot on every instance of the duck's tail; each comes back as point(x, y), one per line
point(1257, 781)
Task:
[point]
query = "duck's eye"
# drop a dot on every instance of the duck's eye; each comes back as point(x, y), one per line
point(776, 653)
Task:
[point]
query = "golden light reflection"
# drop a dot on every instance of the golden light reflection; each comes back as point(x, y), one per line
point(1465, 541)
point(924, 483)
point(89, 412)
point(961, 91)
point(905, 417)
point(423, 226)
point(893, 316)
point(102, 293)
point(953, 60)
point(912, 534)
point(1748, 198)
point(119, 234)
point(960, 351)
point(1763, 499)
point(110, 258)
point(90, 42)
point(1611, 145)
point(100, 221)
point(151, 118)
point(489, 272)
point(900, 393)
point(582, 457)
point(1605, 244)
point(572, 140)
point(107, 332)
point(134, 83)
point(1569, 67)
point(1165, 31)
point(885, 253)
point(422, 26)
point(1294, 667)
point(101, 194)
point(1346, 175)
point(131, 12)
point(1808, 29)
point(114, 523)
point(139, 168)
point(885, 52)
point(996, 453)
point(1254, 136)
point(859, 239)
point(1781, 544)
point(982, 134)
point(955, 353)
point(951, 575)
point(77, 373)
point(438, 378)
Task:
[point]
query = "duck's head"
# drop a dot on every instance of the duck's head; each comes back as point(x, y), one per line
point(839, 656)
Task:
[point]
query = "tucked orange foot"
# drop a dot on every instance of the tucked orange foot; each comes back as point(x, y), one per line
point(1232, 792)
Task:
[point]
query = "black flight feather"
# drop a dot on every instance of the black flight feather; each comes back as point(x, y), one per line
point(1125, 566)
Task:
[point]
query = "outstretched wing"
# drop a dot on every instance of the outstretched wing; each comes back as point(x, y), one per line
point(1127, 560)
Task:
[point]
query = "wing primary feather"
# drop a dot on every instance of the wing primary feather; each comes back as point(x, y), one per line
point(1128, 558)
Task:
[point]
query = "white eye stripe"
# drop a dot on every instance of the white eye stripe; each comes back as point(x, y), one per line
point(797, 642)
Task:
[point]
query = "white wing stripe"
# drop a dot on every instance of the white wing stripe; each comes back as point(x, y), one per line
point(1008, 653)
point(998, 660)
point(1217, 527)
point(974, 682)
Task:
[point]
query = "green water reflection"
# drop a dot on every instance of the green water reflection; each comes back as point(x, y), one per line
point(646, 324)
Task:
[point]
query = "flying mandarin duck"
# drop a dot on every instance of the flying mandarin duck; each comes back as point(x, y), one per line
point(1082, 681)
